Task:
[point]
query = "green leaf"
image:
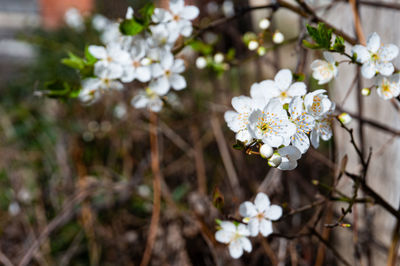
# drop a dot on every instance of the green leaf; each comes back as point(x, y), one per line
point(238, 146)
point(61, 89)
point(230, 55)
point(201, 47)
point(339, 46)
point(74, 61)
point(321, 35)
point(307, 44)
point(146, 12)
point(90, 59)
point(131, 27)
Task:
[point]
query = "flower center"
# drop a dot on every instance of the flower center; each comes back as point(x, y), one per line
point(375, 57)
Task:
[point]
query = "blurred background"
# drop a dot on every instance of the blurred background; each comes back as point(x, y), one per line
point(76, 182)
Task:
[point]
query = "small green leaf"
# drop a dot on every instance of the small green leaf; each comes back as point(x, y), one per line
point(90, 59)
point(321, 36)
point(201, 47)
point(146, 12)
point(61, 89)
point(131, 27)
point(74, 61)
point(339, 46)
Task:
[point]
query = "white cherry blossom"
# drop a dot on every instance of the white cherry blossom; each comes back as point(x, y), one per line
point(137, 68)
point(290, 155)
point(235, 236)
point(304, 124)
point(147, 99)
point(388, 87)
point(260, 214)
point(167, 75)
point(271, 125)
point(324, 70)
point(182, 15)
point(317, 103)
point(322, 129)
point(375, 57)
point(74, 19)
point(282, 87)
point(112, 57)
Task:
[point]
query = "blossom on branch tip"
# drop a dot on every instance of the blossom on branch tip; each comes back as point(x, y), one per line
point(375, 57)
point(324, 70)
point(236, 236)
point(388, 87)
point(147, 99)
point(259, 215)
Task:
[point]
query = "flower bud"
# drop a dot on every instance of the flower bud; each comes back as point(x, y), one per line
point(218, 58)
point(201, 62)
point(266, 151)
point(253, 45)
point(261, 50)
point(345, 118)
point(365, 92)
point(264, 24)
point(275, 160)
point(278, 37)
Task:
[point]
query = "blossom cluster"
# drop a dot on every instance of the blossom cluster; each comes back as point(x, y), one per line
point(145, 57)
point(376, 63)
point(282, 119)
point(257, 218)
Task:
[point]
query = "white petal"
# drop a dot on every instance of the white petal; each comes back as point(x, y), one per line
point(373, 42)
point(244, 136)
point(98, 51)
point(389, 52)
point(247, 209)
point(287, 164)
point(223, 236)
point(290, 152)
point(139, 101)
point(177, 82)
point(329, 57)
point(254, 226)
point(297, 89)
point(243, 230)
point(189, 12)
point(314, 136)
point(300, 141)
point(176, 6)
point(246, 244)
point(178, 66)
point(228, 226)
point(265, 227)
point(143, 74)
point(273, 140)
point(166, 60)
point(235, 249)
point(262, 202)
point(242, 104)
point(296, 107)
point(362, 53)
point(368, 70)
point(283, 79)
point(129, 13)
point(156, 70)
point(160, 86)
point(230, 115)
point(274, 212)
point(385, 69)
point(161, 15)
point(156, 105)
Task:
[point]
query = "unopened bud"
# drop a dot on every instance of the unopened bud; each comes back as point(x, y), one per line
point(365, 92)
point(275, 160)
point(261, 50)
point(278, 37)
point(218, 58)
point(345, 118)
point(253, 45)
point(266, 151)
point(264, 24)
point(201, 62)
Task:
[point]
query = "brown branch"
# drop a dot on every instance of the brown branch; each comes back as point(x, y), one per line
point(155, 167)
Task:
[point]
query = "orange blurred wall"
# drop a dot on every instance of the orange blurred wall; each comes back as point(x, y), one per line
point(52, 11)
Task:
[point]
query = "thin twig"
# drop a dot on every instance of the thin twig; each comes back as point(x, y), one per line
point(155, 167)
